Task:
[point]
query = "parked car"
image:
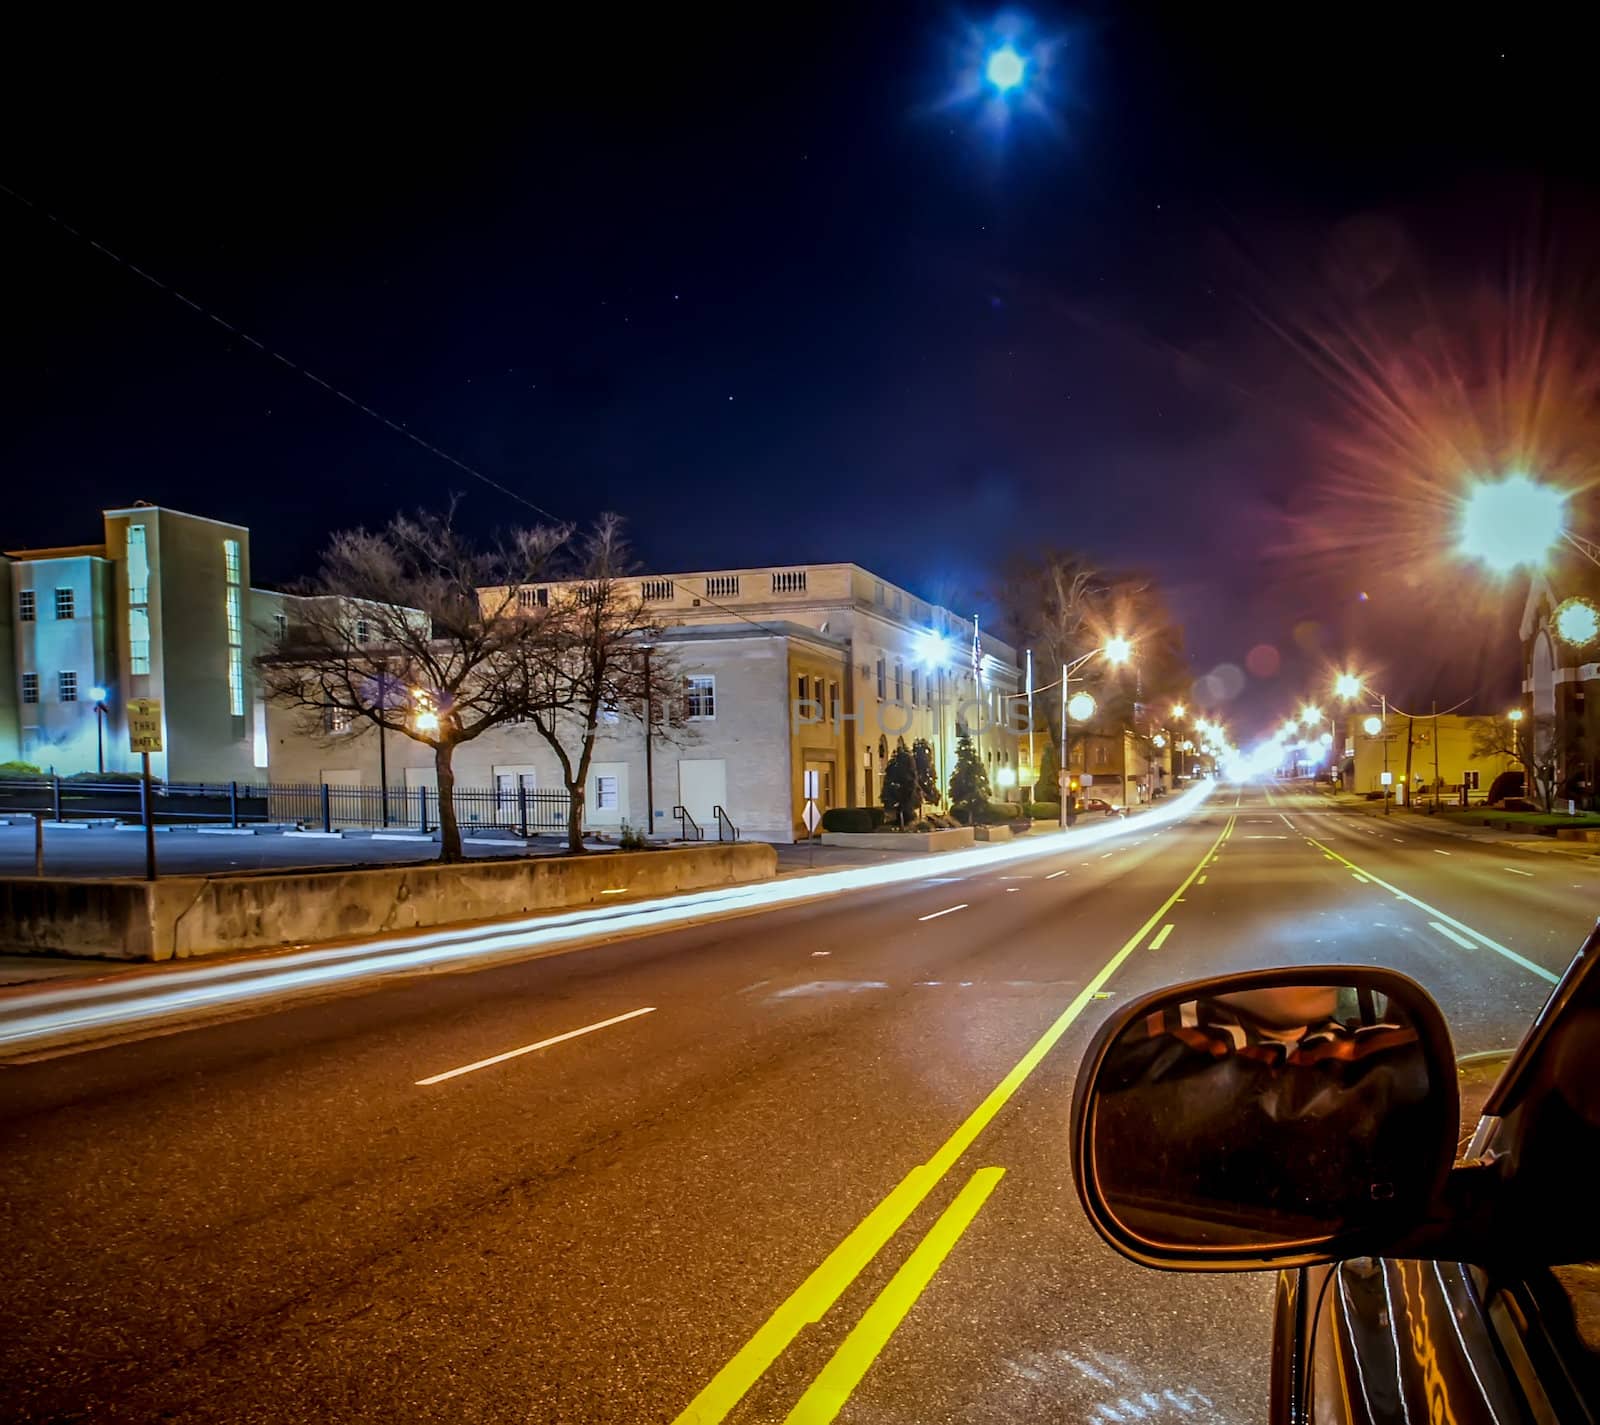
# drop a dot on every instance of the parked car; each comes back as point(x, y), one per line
point(1307, 1121)
point(1100, 804)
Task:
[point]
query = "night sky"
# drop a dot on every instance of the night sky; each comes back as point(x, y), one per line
point(782, 290)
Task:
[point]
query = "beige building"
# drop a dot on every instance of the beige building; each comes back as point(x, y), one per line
point(160, 608)
point(1447, 743)
point(816, 668)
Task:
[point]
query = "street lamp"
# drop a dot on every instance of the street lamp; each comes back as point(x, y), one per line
point(1080, 707)
point(1515, 522)
point(1576, 621)
point(1349, 687)
point(1311, 716)
point(1005, 69)
point(97, 696)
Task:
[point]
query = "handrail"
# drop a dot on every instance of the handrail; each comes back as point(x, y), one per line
point(686, 823)
point(725, 823)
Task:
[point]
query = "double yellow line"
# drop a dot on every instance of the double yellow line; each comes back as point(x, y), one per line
point(818, 1293)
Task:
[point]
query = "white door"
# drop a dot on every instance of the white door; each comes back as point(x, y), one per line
point(340, 777)
point(606, 799)
point(702, 785)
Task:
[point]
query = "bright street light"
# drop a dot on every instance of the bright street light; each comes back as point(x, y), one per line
point(1118, 649)
point(1515, 715)
point(426, 720)
point(1159, 740)
point(1372, 726)
point(1080, 707)
point(1326, 739)
point(1310, 716)
point(1007, 777)
point(1347, 686)
point(933, 649)
point(1178, 710)
point(1577, 621)
point(1005, 69)
point(1512, 522)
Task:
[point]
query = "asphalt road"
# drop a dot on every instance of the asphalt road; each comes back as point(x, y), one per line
point(708, 1208)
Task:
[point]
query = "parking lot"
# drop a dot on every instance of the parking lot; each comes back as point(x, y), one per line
point(81, 849)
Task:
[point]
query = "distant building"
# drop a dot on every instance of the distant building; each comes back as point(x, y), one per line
point(1560, 682)
point(818, 668)
point(1443, 748)
point(160, 608)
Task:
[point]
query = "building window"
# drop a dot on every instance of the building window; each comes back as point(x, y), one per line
point(506, 785)
point(789, 581)
point(336, 720)
point(915, 678)
point(882, 675)
point(30, 687)
point(801, 685)
point(897, 601)
point(280, 626)
point(235, 617)
point(64, 604)
point(27, 606)
point(67, 686)
point(899, 682)
point(655, 591)
point(877, 593)
point(819, 696)
point(722, 586)
point(1469, 780)
point(138, 640)
point(833, 700)
point(533, 598)
point(701, 696)
point(605, 793)
point(363, 631)
point(138, 566)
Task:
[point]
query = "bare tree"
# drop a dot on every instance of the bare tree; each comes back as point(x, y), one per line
point(599, 662)
point(1531, 742)
point(413, 629)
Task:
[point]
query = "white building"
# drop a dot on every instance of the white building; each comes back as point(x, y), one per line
point(160, 608)
point(817, 668)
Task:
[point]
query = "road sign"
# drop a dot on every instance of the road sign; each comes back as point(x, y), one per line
point(813, 785)
point(812, 816)
point(1087, 779)
point(144, 724)
point(1386, 778)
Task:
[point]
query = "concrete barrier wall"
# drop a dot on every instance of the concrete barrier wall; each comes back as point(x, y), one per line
point(183, 916)
point(946, 839)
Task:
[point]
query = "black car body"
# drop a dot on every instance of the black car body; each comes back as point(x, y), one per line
point(1482, 1305)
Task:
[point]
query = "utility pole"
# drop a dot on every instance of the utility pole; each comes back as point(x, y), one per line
point(1436, 754)
point(649, 748)
point(1411, 730)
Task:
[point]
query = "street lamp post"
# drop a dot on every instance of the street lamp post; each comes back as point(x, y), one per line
point(97, 696)
point(1348, 687)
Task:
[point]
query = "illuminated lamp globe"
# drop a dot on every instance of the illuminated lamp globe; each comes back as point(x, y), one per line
point(1080, 707)
point(1347, 685)
point(1372, 726)
point(1577, 621)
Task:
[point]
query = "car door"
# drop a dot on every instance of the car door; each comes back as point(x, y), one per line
point(1404, 1341)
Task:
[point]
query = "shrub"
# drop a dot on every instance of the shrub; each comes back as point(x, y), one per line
point(999, 813)
point(19, 769)
point(107, 778)
point(855, 821)
point(632, 839)
point(1507, 784)
point(1044, 811)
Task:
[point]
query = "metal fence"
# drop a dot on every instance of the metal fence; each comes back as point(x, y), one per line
point(527, 811)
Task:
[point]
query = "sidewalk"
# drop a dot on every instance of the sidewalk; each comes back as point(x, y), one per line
point(1441, 825)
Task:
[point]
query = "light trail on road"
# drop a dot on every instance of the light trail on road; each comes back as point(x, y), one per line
point(60, 1017)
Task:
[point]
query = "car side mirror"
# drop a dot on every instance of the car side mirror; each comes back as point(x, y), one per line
point(1274, 1118)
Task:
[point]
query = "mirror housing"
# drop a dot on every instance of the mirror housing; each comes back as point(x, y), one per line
point(1269, 1119)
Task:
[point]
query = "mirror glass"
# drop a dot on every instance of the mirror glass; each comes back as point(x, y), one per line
point(1264, 1116)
